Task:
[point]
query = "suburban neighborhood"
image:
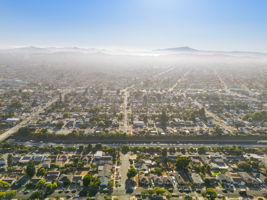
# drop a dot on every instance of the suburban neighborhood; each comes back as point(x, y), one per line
point(105, 172)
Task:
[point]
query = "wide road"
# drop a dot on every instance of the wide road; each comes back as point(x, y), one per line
point(232, 93)
point(179, 81)
point(33, 116)
point(216, 119)
point(189, 140)
point(125, 126)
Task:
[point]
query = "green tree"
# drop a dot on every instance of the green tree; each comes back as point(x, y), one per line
point(15, 103)
point(188, 198)
point(30, 169)
point(25, 131)
point(66, 115)
point(202, 150)
point(93, 188)
point(163, 119)
point(258, 116)
point(155, 191)
point(159, 191)
point(41, 183)
point(4, 185)
point(182, 162)
point(9, 161)
point(132, 172)
point(158, 171)
point(89, 148)
point(91, 184)
point(50, 187)
point(39, 194)
point(8, 195)
point(125, 148)
point(30, 185)
point(59, 124)
point(211, 193)
point(202, 114)
point(245, 166)
point(41, 172)
point(87, 179)
point(98, 147)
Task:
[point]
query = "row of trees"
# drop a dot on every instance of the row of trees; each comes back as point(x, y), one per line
point(8, 195)
point(43, 185)
point(210, 193)
point(16, 148)
point(157, 191)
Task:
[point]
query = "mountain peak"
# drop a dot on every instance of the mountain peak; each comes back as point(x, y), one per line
point(184, 48)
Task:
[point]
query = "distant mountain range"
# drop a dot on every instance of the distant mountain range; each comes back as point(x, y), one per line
point(105, 57)
point(185, 50)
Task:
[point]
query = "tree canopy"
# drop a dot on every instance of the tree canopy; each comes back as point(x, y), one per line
point(39, 194)
point(182, 162)
point(211, 193)
point(8, 195)
point(132, 172)
point(30, 169)
point(4, 184)
point(91, 184)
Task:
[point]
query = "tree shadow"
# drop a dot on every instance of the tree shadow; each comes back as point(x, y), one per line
point(129, 186)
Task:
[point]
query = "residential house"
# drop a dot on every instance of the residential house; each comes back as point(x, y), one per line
point(52, 176)
point(3, 162)
point(249, 180)
point(143, 181)
point(197, 181)
point(25, 159)
point(65, 180)
point(104, 175)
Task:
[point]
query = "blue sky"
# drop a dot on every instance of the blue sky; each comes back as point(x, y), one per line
point(202, 24)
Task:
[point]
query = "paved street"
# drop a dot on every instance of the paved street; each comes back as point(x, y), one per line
point(33, 116)
point(125, 164)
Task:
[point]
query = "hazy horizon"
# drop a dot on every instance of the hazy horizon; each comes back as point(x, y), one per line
point(210, 25)
point(133, 99)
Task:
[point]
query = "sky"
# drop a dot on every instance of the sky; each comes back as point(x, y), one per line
point(147, 24)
